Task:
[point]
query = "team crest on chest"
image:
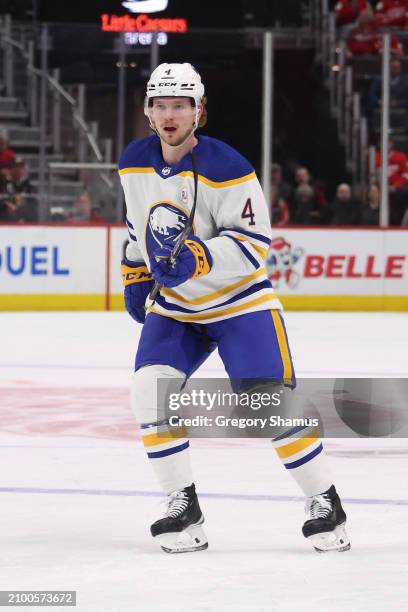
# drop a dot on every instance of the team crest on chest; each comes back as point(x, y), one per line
point(166, 221)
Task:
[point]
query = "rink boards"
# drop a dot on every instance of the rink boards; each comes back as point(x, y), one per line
point(77, 268)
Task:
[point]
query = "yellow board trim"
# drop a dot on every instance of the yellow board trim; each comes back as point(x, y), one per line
point(159, 438)
point(215, 294)
point(137, 171)
point(53, 302)
point(283, 346)
point(117, 301)
point(391, 303)
point(213, 315)
point(294, 447)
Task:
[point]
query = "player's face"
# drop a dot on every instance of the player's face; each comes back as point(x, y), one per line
point(173, 119)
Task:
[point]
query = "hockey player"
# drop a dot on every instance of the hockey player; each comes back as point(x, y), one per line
point(215, 294)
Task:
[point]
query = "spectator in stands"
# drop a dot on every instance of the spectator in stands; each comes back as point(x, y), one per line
point(399, 197)
point(362, 38)
point(284, 189)
point(392, 13)
point(18, 180)
point(14, 209)
point(348, 11)
point(83, 210)
point(397, 180)
point(370, 212)
point(303, 177)
point(280, 209)
point(7, 207)
point(304, 205)
point(18, 184)
point(343, 210)
point(397, 167)
point(366, 38)
point(398, 88)
point(7, 155)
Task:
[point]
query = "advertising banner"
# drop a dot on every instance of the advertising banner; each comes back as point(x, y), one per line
point(53, 268)
point(340, 269)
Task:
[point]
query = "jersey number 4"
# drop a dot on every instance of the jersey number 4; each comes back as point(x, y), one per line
point(248, 213)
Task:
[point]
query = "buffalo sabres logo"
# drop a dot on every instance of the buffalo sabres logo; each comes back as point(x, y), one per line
point(164, 225)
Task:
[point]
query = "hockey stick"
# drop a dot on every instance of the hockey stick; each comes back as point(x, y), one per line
point(183, 235)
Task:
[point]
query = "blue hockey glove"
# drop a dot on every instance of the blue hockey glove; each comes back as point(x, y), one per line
point(193, 261)
point(138, 283)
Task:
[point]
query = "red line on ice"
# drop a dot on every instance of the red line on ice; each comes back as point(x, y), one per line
point(101, 412)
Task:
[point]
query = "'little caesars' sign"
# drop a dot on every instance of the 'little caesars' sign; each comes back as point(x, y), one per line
point(143, 23)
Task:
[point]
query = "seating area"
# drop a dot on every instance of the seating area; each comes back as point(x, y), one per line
point(41, 133)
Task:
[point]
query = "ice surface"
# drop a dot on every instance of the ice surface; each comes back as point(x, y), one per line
point(77, 494)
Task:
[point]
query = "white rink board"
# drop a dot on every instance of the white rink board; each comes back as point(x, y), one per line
point(341, 262)
point(396, 244)
point(311, 269)
point(52, 260)
point(119, 238)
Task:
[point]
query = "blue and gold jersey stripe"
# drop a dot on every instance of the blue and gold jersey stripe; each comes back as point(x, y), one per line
point(188, 173)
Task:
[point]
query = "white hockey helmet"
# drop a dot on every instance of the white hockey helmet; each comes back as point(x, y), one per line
point(174, 80)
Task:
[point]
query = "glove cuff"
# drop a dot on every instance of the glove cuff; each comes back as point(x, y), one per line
point(202, 256)
point(134, 272)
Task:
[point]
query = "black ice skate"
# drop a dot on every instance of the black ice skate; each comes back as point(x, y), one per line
point(180, 530)
point(325, 522)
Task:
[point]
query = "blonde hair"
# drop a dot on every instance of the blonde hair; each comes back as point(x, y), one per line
point(203, 119)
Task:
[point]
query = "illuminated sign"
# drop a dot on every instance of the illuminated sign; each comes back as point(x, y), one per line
point(146, 6)
point(142, 23)
point(144, 38)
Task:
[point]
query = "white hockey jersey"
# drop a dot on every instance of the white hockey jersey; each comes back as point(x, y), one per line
point(231, 217)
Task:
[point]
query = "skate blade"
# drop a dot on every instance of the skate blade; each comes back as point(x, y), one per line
point(192, 539)
point(331, 541)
